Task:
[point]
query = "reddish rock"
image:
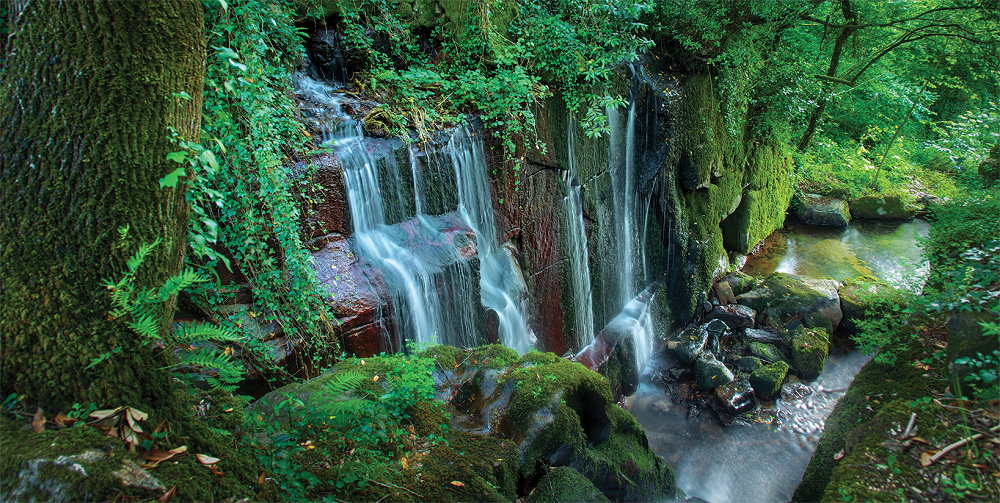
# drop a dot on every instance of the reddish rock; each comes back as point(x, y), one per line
point(323, 204)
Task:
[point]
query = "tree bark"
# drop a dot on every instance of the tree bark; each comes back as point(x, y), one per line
point(87, 101)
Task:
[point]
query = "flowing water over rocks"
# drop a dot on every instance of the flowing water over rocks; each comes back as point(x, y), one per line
point(722, 446)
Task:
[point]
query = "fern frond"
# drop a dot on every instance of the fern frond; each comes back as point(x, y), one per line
point(220, 431)
point(217, 384)
point(343, 383)
point(136, 260)
point(146, 326)
point(188, 332)
point(228, 370)
point(178, 282)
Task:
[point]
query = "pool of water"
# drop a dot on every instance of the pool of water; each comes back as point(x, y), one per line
point(887, 250)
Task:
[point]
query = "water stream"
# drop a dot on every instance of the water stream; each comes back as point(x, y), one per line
point(764, 462)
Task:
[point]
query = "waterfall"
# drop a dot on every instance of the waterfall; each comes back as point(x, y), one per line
point(500, 280)
point(427, 260)
point(576, 244)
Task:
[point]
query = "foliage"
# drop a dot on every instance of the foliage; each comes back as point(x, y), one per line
point(138, 309)
point(377, 402)
point(254, 44)
point(885, 316)
point(984, 368)
point(482, 66)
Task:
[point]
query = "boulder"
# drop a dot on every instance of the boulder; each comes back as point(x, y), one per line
point(757, 335)
point(884, 207)
point(767, 352)
point(766, 380)
point(734, 315)
point(787, 296)
point(810, 347)
point(748, 364)
point(815, 209)
point(736, 396)
point(739, 282)
point(711, 373)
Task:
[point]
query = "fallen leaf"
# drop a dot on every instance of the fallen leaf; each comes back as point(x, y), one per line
point(155, 456)
point(839, 455)
point(38, 422)
point(206, 460)
point(406, 466)
point(982, 467)
point(215, 470)
point(925, 458)
point(228, 410)
point(167, 496)
point(918, 439)
point(262, 478)
point(457, 483)
point(62, 420)
point(161, 427)
point(102, 414)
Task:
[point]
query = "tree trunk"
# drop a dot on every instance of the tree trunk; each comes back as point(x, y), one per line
point(87, 100)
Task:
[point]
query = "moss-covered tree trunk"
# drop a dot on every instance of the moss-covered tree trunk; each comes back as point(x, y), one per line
point(87, 102)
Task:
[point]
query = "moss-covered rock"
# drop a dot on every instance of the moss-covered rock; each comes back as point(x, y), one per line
point(565, 484)
point(793, 296)
point(815, 209)
point(810, 347)
point(766, 380)
point(884, 207)
point(740, 282)
point(858, 295)
point(768, 352)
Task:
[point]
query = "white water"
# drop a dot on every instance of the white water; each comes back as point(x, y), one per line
point(576, 240)
point(432, 283)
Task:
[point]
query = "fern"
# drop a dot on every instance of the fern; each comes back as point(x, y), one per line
point(342, 407)
point(140, 311)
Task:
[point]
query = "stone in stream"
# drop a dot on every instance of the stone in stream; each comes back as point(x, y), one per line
point(736, 396)
point(734, 316)
point(884, 206)
point(810, 347)
point(767, 379)
point(767, 352)
point(748, 364)
point(815, 209)
point(756, 335)
point(711, 373)
point(690, 343)
point(857, 295)
point(787, 296)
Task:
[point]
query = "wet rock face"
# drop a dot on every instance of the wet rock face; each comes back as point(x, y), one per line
point(815, 209)
point(734, 316)
point(736, 396)
point(690, 343)
point(884, 207)
point(711, 373)
point(323, 205)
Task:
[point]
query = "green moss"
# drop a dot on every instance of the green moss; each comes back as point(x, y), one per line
point(766, 380)
point(565, 484)
point(810, 347)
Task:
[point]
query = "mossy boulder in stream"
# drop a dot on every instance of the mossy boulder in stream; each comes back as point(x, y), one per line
point(815, 209)
point(858, 295)
point(884, 206)
point(766, 380)
point(784, 296)
point(810, 347)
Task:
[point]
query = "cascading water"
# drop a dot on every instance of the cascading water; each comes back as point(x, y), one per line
point(576, 244)
point(426, 259)
point(500, 282)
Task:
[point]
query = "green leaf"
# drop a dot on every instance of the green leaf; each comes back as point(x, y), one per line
point(179, 156)
point(171, 179)
point(207, 157)
point(225, 52)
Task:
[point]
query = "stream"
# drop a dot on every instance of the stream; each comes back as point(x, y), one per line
point(764, 461)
